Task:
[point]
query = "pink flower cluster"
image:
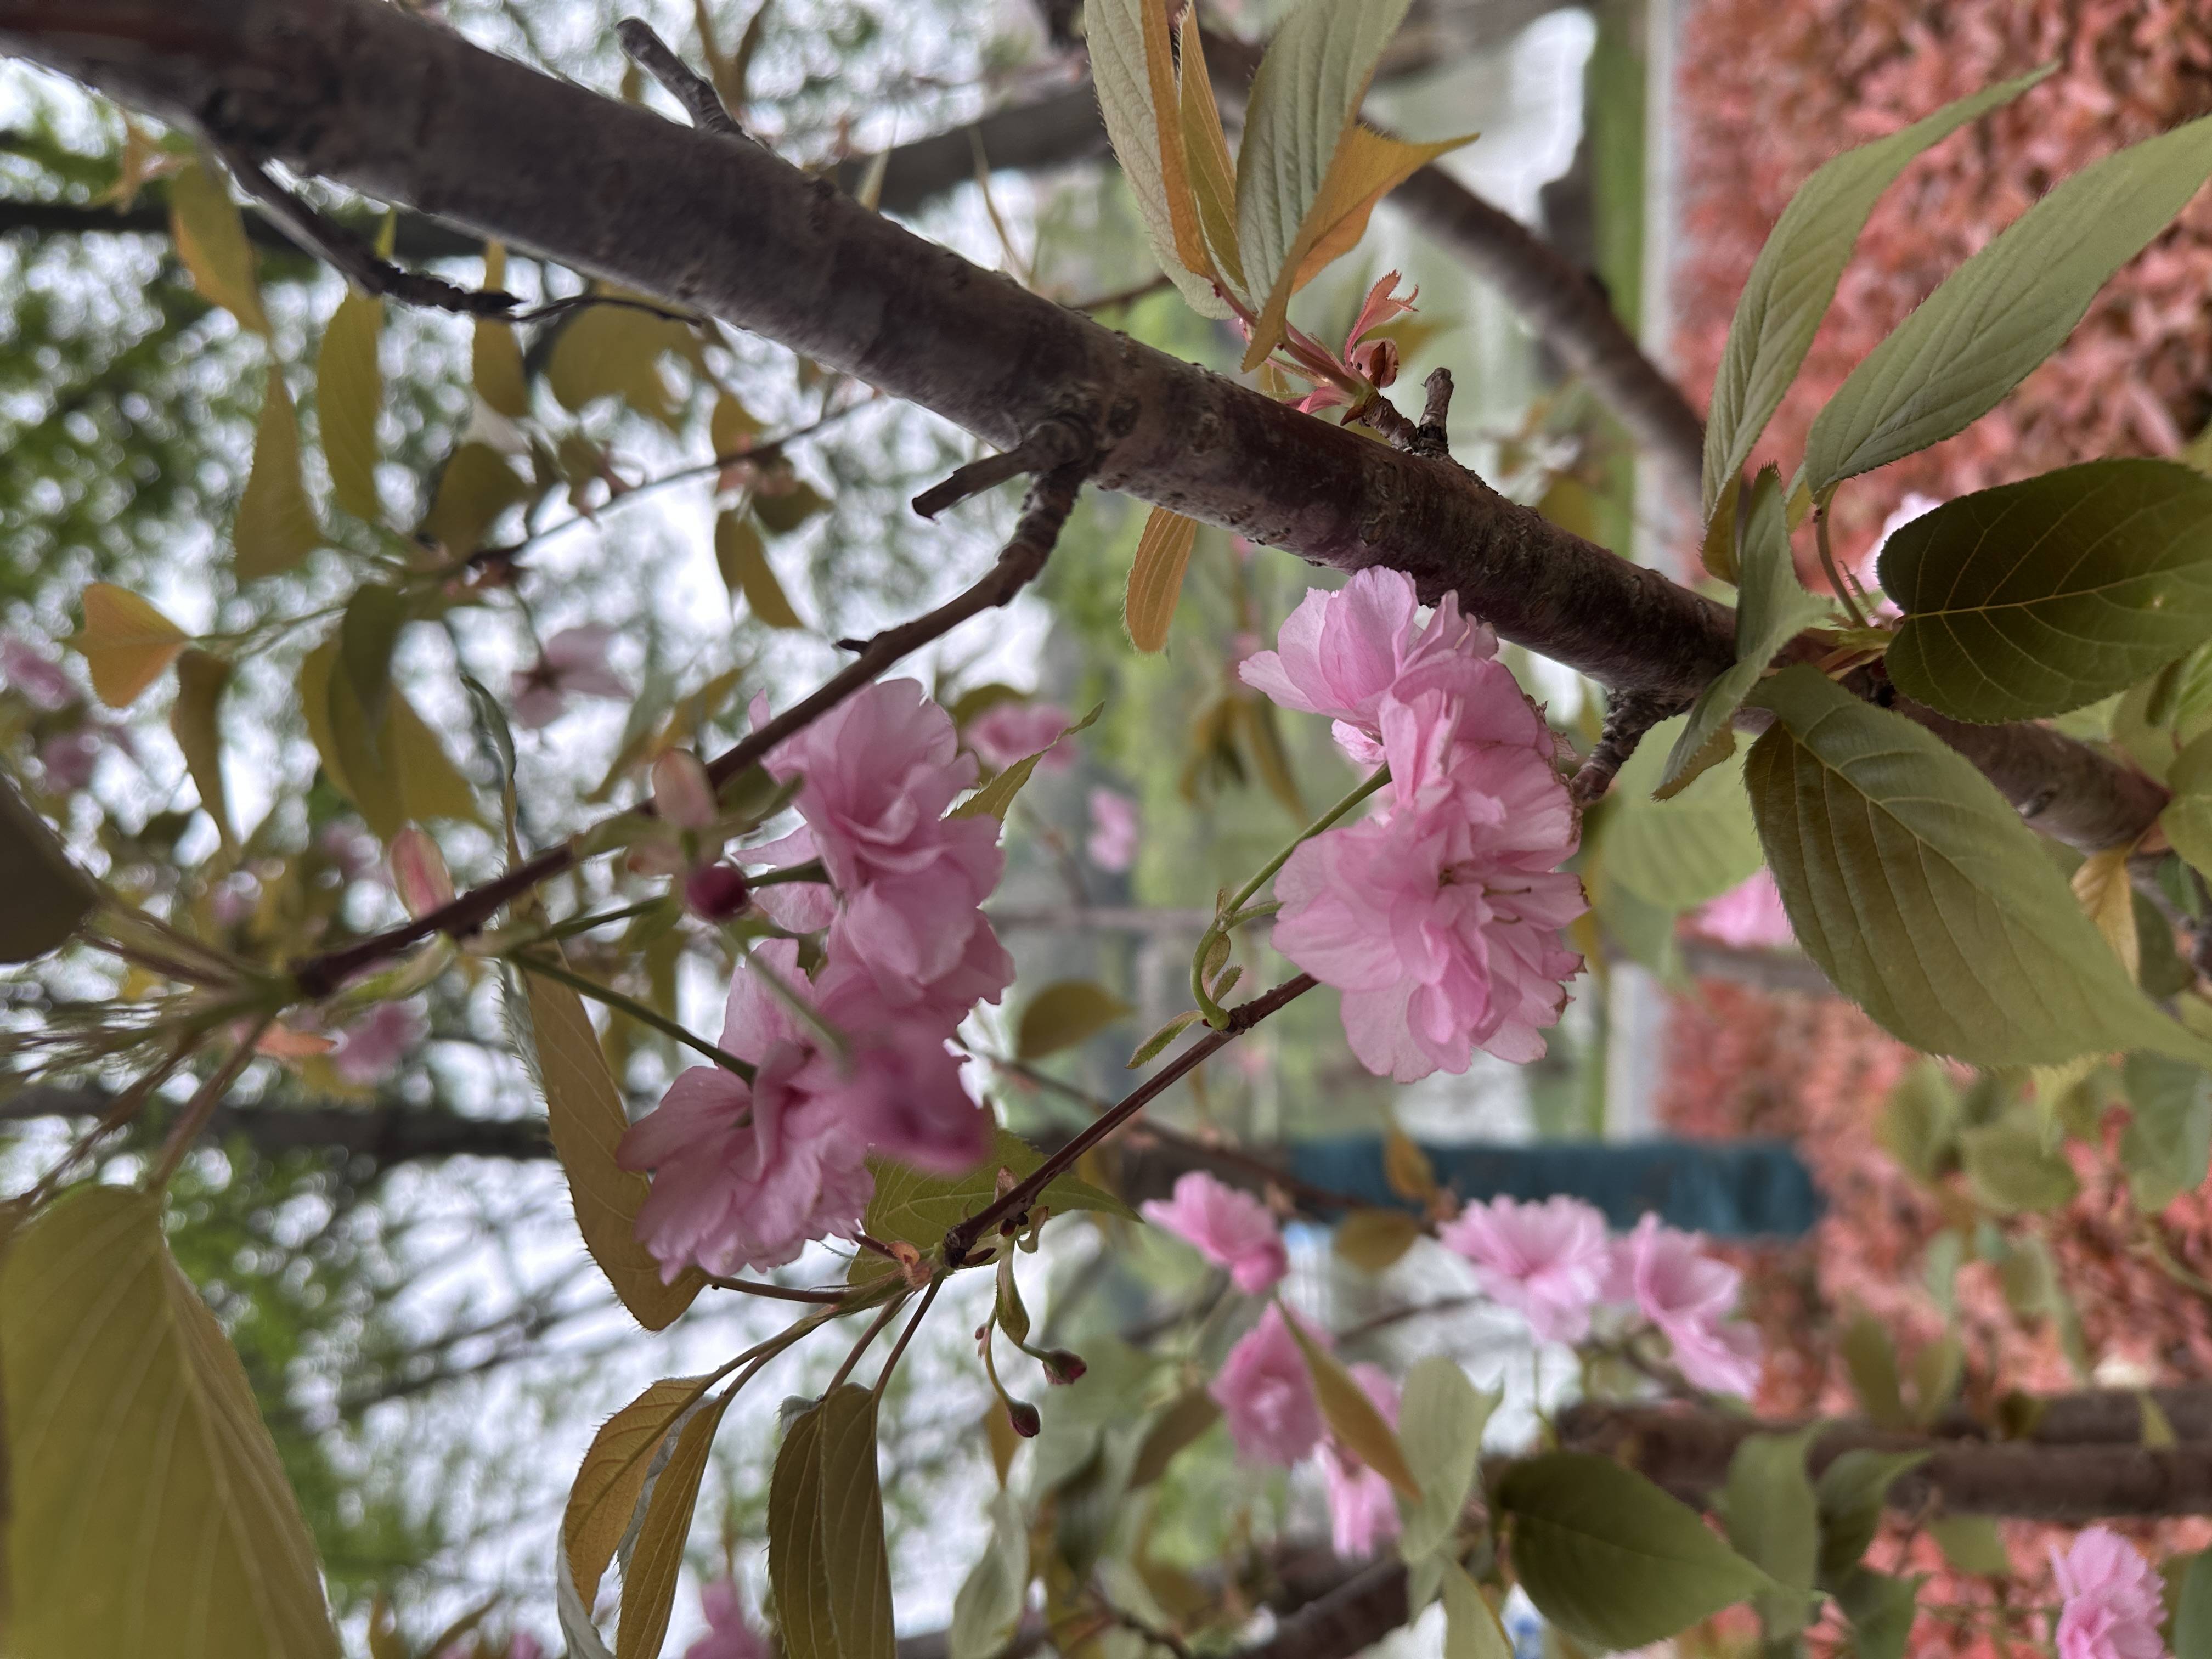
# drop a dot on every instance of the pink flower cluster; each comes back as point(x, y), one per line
point(2112, 1607)
point(1552, 1263)
point(1229, 1229)
point(746, 1173)
point(1008, 732)
point(1438, 918)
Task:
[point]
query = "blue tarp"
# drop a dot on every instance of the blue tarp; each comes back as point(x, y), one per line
point(1726, 1189)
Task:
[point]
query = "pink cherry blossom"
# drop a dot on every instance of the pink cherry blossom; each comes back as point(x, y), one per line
point(1229, 1229)
point(574, 663)
point(1549, 1262)
point(1006, 731)
point(2112, 1607)
point(880, 768)
point(1439, 920)
point(1689, 1296)
point(1339, 654)
point(1749, 916)
point(1267, 1394)
point(419, 872)
point(1115, 827)
point(69, 759)
point(1362, 1510)
point(728, 1635)
point(41, 681)
point(682, 792)
point(370, 1050)
point(1376, 360)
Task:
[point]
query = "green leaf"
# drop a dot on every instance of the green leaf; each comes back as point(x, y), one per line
point(276, 526)
point(1923, 895)
point(784, 510)
point(920, 1209)
point(1352, 1416)
point(2005, 309)
point(1849, 1495)
point(2193, 1610)
point(1919, 1123)
point(126, 642)
point(603, 1499)
point(1972, 1543)
point(997, 797)
point(1870, 1361)
point(1156, 578)
point(1794, 278)
point(1880, 1610)
point(1375, 1240)
point(348, 394)
point(1153, 1045)
point(1775, 1524)
point(1309, 89)
point(211, 237)
point(2187, 819)
point(656, 1559)
point(415, 780)
point(1471, 1628)
point(1064, 1014)
point(1772, 608)
point(1679, 852)
point(584, 1115)
point(2040, 597)
point(1132, 66)
point(1179, 1423)
point(495, 358)
point(1611, 1559)
point(2009, 1170)
point(743, 561)
point(989, 1604)
point(46, 896)
point(194, 720)
point(825, 1534)
point(615, 351)
point(2168, 1139)
point(1441, 1420)
point(148, 1512)
point(476, 486)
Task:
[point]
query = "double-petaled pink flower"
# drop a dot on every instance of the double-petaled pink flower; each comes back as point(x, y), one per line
point(1229, 1229)
point(573, 664)
point(1691, 1298)
point(746, 1175)
point(1362, 1510)
point(1266, 1393)
point(1114, 829)
point(1550, 1262)
point(1008, 732)
point(1439, 918)
point(2112, 1607)
point(1749, 916)
point(729, 1635)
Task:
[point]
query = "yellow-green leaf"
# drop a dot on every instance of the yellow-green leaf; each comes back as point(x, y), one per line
point(275, 527)
point(732, 427)
point(127, 643)
point(1156, 578)
point(348, 394)
point(584, 1115)
point(826, 1560)
point(649, 1580)
point(1368, 167)
point(1064, 1013)
point(1441, 1420)
point(1212, 172)
point(1352, 1416)
point(997, 797)
point(1304, 99)
point(918, 1209)
point(150, 1513)
point(210, 237)
point(1373, 1240)
point(743, 561)
point(615, 351)
point(1471, 1626)
point(603, 1499)
point(201, 677)
point(44, 895)
point(476, 486)
point(494, 358)
point(2108, 899)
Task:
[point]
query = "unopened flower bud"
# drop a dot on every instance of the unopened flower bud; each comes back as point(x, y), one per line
point(1023, 1416)
point(1062, 1367)
point(715, 892)
point(418, 872)
point(682, 793)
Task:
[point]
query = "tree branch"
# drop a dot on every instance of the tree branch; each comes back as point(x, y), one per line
point(370, 97)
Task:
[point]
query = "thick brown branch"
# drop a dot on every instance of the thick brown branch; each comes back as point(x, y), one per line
point(370, 97)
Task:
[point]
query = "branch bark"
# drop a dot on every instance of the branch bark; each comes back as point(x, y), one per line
point(370, 97)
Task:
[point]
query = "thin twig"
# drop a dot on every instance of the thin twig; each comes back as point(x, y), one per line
point(1429, 438)
point(697, 96)
point(868, 1340)
point(1626, 720)
point(883, 1378)
point(777, 1292)
point(1014, 1205)
point(202, 1106)
point(1060, 442)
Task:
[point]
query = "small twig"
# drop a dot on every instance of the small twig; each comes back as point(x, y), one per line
point(697, 96)
point(324, 237)
point(883, 1378)
point(1429, 437)
point(1013, 1205)
point(202, 1106)
point(1626, 720)
point(868, 1340)
point(1122, 296)
point(778, 1292)
point(1060, 441)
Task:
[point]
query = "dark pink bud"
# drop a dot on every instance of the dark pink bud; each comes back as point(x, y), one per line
point(1063, 1367)
point(1023, 1416)
point(715, 892)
